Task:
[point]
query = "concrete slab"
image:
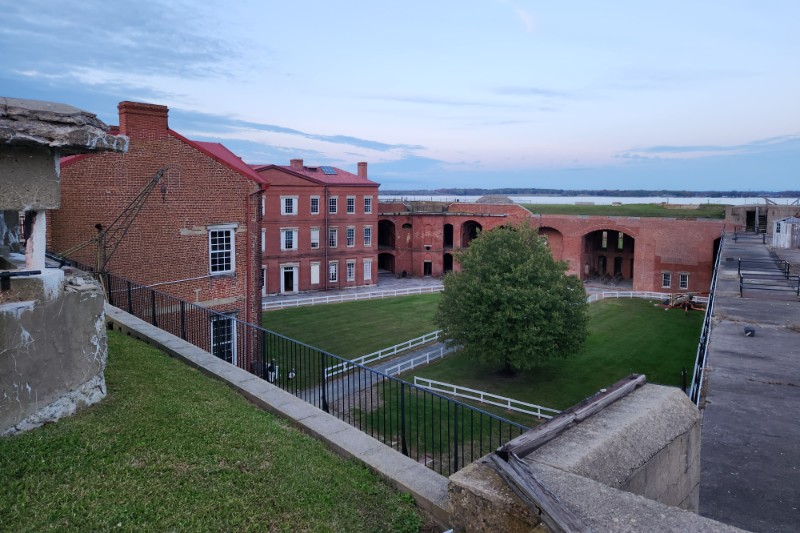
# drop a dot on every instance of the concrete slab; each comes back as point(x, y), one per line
point(750, 475)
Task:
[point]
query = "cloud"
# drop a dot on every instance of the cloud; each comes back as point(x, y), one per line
point(654, 78)
point(440, 101)
point(755, 147)
point(531, 91)
point(526, 18)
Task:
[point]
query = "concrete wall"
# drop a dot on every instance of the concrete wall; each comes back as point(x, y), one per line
point(52, 350)
point(646, 444)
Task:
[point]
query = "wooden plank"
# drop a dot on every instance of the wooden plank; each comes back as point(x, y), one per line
point(529, 441)
point(543, 503)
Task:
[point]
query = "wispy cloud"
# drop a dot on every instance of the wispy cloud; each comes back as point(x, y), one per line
point(531, 91)
point(424, 100)
point(692, 151)
point(526, 18)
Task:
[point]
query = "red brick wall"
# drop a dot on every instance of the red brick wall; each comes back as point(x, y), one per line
point(168, 241)
point(285, 184)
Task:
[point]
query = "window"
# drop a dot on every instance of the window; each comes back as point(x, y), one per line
point(351, 236)
point(263, 240)
point(620, 240)
point(604, 242)
point(288, 205)
point(263, 205)
point(289, 239)
point(351, 205)
point(367, 235)
point(314, 238)
point(333, 205)
point(315, 273)
point(220, 249)
point(333, 237)
point(683, 281)
point(223, 338)
point(367, 269)
point(315, 205)
point(351, 270)
point(666, 280)
point(368, 204)
point(333, 271)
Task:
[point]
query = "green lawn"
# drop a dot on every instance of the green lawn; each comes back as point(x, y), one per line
point(628, 210)
point(170, 449)
point(353, 329)
point(625, 337)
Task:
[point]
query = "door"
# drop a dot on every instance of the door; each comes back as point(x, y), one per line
point(427, 268)
point(289, 278)
point(263, 281)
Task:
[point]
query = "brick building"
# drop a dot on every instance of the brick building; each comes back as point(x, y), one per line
point(419, 238)
point(319, 228)
point(197, 235)
point(645, 254)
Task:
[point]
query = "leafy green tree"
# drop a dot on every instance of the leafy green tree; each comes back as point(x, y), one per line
point(512, 303)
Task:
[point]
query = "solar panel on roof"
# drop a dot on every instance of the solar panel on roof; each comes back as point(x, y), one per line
point(328, 170)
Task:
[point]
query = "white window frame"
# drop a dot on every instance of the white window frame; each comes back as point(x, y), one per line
point(311, 205)
point(215, 343)
point(350, 270)
point(314, 238)
point(230, 229)
point(367, 235)
point(666, 280)
point(367, 269)
point(263, 205)
point(350, 236)
point(351, 205)
point(333, 271)
point(293, 200)
point(367, 205)
point(333, 205)
point(263, 240)
point(315, 273)
point(683, 280)
point(333, 237)
point(289, 231)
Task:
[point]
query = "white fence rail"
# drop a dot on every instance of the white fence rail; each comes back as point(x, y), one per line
point(647, 295)
point(383, 354)
point(348, 297)
point(420, 360)
point(485, 397)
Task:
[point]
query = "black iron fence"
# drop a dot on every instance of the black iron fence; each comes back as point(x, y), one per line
point(434, 430)
point(767, 275)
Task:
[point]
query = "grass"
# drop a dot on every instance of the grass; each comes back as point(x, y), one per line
point(353, 329)
point(629, 210)
point(171, 449)
point(625, 337)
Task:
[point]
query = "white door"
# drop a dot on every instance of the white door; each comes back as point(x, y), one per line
point(289, 278)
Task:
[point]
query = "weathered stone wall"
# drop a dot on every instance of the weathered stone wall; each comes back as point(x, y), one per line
point(52, 353)
point(646, 444)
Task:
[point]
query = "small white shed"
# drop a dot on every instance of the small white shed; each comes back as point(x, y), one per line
point(786, 233)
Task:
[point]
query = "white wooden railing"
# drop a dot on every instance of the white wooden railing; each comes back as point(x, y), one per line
point(485, 397)
point(348, 297)
point(420, 360)
point(383, 354)
point(647, 295)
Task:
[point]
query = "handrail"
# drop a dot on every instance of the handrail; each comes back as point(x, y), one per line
point(384, 353)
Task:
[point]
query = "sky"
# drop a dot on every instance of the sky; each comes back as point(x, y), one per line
point(694, 95)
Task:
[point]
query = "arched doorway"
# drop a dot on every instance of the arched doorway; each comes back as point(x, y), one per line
point(469, 230)
point(555, 241)
point(447, 263)
point(448, 236)
point(386, 234)
point(385, 262)
point(608, 256)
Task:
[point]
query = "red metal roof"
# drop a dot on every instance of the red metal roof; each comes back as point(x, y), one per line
point(342, 177)
point(223, 155)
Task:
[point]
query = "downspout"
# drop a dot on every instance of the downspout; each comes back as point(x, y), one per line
point(327, 239)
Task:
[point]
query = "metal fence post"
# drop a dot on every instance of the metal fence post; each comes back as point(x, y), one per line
point(455, 437)
point(403, 418)
point(109, 292)
point(130, 298)
point(324, 383)
point(183, 320)
point(153, 307)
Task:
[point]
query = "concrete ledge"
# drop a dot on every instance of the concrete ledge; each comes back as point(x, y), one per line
point(428, 488)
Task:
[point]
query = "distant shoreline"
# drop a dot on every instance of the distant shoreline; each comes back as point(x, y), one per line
point(638, 193)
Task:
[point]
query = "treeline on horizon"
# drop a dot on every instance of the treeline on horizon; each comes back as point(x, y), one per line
point(594, 192)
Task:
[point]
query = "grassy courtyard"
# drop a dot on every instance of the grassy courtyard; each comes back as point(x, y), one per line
point(629, 210)
point(170, 449)
point(352, 329)
point(625, 337)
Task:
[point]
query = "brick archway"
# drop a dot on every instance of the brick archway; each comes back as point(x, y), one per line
point(607, 255)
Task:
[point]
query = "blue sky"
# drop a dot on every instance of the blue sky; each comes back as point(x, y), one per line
point(470, 93)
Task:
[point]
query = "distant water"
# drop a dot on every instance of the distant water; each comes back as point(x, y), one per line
point(597, 200)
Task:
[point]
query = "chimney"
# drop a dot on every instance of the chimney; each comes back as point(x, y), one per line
point(297, 164)
point(362, 170)
point(143, 120)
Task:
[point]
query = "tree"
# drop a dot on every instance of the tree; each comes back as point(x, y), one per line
point(512, 303)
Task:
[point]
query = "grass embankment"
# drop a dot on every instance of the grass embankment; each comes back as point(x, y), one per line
point(352, 329)
point(625, 337)
point(629, 210)
point(172, 450)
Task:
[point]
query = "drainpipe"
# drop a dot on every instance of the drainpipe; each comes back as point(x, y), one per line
point(326, 238)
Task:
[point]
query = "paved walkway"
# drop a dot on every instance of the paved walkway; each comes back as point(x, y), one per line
point(750, 474)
